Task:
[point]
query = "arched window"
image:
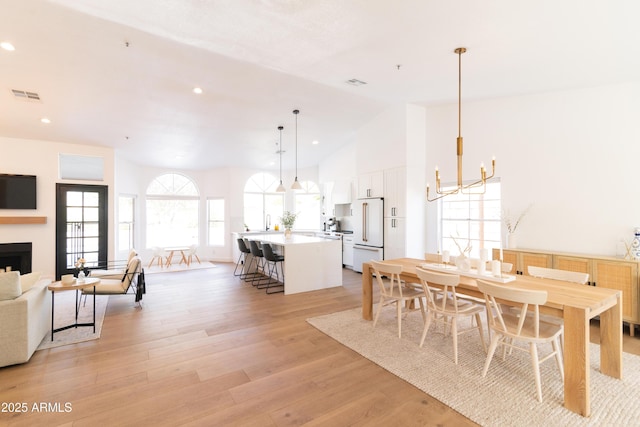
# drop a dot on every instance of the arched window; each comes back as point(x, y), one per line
point(308, 203)
point(262, 205)
point(173, 204)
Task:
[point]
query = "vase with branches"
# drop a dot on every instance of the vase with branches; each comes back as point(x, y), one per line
point(511, 223)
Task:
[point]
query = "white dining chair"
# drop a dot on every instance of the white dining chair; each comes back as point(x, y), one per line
point(513, 326)
point(394, 291)
point(158, 254)
point(191, 253)
point(443, 306)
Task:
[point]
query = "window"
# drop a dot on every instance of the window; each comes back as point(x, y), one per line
point(126, 215)
point(470, 218)
point(215, 219)
point(308, 202)
point(172, 211)
point(260, 200)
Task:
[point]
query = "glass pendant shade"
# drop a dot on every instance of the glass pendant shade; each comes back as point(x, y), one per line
point(296, 185)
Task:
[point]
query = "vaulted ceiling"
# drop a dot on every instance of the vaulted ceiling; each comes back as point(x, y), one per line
point(121, 73)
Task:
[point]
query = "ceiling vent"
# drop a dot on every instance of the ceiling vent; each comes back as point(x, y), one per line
point(356, 82)
point(23, 95)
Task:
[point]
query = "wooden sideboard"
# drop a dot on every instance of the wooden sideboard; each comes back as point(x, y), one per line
point(606, 272)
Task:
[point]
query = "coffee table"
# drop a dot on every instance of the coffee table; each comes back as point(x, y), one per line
point(77, 286)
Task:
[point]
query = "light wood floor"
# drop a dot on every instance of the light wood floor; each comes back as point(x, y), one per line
point(208, 349)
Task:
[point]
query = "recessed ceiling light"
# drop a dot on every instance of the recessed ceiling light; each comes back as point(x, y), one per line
point(7, 46)
point(45, 120)
point(315, 142)
point(197, 90)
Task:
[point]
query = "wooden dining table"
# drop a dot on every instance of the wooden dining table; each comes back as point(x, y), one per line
point(576, 304)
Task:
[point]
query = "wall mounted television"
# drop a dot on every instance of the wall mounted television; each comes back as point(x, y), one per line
point(17, 191)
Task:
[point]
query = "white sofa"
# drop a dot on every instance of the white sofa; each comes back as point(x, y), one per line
point(25, 315)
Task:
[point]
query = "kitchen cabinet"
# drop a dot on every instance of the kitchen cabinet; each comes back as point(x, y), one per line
point(395, 192)
point(347, 251)
point(394, 238)
point(371, 185)
point(394, 212)
point(327, 199)
point(342, 193)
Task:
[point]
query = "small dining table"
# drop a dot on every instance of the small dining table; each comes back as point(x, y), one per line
point(172, 250)
point(576, 304)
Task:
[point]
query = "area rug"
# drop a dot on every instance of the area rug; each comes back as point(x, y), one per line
point(65, 315)
point(506, 396)
point(178, 267)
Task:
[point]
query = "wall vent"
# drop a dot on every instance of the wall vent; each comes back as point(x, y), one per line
point(356, 82)
point(24, 95)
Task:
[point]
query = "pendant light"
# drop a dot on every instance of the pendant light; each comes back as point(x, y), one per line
point(296, 185)
point(280, 188)
point(476, 187)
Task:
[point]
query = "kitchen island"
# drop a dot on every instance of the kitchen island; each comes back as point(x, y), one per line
point(310, 263)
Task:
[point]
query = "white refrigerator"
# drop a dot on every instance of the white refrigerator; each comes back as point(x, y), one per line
point(368, 231)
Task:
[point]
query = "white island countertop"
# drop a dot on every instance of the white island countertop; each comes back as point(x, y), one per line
point(310, 263)
point(280, 240)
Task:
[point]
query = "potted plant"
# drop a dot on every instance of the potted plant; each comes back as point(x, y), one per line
point(287, 220)
point(81, 270)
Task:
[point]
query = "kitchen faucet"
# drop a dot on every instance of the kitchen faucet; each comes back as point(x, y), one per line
point(267, 222)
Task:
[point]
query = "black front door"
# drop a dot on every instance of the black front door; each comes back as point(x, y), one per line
point(81, 226)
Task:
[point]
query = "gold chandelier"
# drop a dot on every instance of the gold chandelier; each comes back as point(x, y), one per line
point(479, 186)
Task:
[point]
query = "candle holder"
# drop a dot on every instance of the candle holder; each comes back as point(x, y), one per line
point(445, 258)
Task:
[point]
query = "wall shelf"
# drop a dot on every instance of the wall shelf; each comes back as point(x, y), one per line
point(23, 219)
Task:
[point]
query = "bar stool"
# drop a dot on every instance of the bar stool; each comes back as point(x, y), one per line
point(242, 259)
point(258, 257)
point(272, 259)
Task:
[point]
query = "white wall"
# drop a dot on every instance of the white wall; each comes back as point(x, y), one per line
point(40, 158)
point(227, 183)
point(382, 143)
point(341, 165)
point(415, 233)
point(396, 137)
point(572, 155)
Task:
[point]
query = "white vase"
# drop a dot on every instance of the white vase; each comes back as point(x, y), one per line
point(287, 233)
point(512, 241)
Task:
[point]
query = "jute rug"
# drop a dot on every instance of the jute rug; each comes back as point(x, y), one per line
point(65, 315)
point(506, 396)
